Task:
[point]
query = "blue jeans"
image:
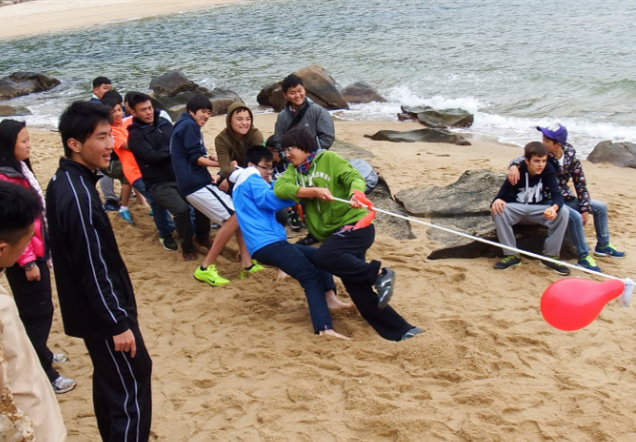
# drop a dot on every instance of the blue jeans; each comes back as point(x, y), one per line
point(296, 260)
point(163, 221)
point(598, 210)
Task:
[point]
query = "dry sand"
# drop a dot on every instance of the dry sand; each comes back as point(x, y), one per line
point(240, 363)
point(41, 16)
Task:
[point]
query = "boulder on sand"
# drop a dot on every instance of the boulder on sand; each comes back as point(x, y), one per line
point(421, 135)
point(23, 83)
point(171, 84)
point(621, 154)
point(221, 99)
point(437, 118)
point(362, 92)
point(13, 111)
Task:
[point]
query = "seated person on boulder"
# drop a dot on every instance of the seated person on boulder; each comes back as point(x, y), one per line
point(345, 229)
point(256, 208)
point(534, 199)
point(563, 158)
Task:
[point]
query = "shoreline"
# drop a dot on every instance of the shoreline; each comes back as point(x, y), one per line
point(39, 17)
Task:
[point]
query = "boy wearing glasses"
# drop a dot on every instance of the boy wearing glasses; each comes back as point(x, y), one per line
point(190, 162)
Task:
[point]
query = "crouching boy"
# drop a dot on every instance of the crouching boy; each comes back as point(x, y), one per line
point(526, 203)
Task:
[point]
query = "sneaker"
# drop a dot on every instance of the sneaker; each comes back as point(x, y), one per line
point(256, 267)
point(205, 243)
point(189, 256)
point(294, 220)
point(608, 250)
point(412, 332)
point(210, 275)
point(111, 205)
point(507, 262)
point(215, 226)
point(125, 215)
point(307, 240)
point(168, 243)
point(59, 358)
point(63, 385)
point(384, 286)
point(588, 262)
point(557, 268)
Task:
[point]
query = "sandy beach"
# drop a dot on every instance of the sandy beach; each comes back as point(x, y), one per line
point(241, 363)
point(42, 16)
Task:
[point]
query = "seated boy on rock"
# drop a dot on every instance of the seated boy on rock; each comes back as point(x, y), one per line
point(525, 202)
point(563, 157)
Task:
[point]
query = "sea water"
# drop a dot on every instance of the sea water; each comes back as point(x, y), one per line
point(514, 64)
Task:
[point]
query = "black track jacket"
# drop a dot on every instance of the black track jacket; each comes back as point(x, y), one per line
point(93, 286)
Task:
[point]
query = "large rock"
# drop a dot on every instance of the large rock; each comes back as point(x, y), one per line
point(320, 87)
point(362, 92)
point(171, 84)
point(420, 135)
point(465, 206)
point(23, 83)
point(13, 111)
point(437, 118)
point(221, 99)
point(619, 154)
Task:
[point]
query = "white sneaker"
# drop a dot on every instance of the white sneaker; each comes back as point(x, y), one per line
point(58, 358)
point(63, 385)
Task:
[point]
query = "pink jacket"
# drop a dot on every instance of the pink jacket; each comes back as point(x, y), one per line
point(36, 247)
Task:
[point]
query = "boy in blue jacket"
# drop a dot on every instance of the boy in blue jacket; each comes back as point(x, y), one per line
point(266, 240)
point(190, 162)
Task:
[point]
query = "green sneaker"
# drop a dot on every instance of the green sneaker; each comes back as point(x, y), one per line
point(210, 275)
point(507, 262)
point(256, 267)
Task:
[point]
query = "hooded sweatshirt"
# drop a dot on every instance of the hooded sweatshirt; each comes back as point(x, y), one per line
point(316, 121)
point(327, 170)
point(532, 189)
point(186, 147)
point(229, 148)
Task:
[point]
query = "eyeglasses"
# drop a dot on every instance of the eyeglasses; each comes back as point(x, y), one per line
point(266, 169)
point(287, 149)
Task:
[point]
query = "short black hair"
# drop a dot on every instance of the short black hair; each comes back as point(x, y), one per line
point(197, 103)
point(99, 81)
point(270, 143)
point(300, 138)
point(291, 81)
point(80, 120)
point(111, 98)
point(256, 154)
point(19, 207)
point(534, 148)
point(137, 98)
point(128, 95)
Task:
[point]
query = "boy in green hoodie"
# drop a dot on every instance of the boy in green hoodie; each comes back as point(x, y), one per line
point(318, 178)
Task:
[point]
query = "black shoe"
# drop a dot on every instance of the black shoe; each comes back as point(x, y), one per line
point(203, 242)
point(307, 240)
point(111, 205)
point(168, 243)
point(557, 268)
point(384, 286)
point(507, 262)
point(190, 256)
point(294, 220)
point(412, 332)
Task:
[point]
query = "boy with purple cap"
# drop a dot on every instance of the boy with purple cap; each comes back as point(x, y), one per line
point(563, 157)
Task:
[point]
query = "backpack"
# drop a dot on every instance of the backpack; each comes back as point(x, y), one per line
point(367, 172)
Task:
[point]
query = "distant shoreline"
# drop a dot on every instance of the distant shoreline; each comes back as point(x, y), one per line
point(35, 17)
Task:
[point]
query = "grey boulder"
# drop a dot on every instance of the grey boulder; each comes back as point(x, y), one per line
point(420, 135)
point(13, 111)
point(171, 84)
point(221, 99)
point(362, 92)
point(440, 118)
point(24, 83)
point(621, 154)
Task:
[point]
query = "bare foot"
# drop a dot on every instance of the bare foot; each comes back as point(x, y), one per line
point(281, 275)
point(334, 303)
point(331, 332)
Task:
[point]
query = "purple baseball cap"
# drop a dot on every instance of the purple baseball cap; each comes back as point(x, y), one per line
point(555, 132)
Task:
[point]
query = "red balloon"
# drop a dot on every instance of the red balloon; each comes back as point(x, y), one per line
point(571, 304)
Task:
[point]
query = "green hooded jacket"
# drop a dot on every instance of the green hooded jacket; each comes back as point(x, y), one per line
point(327, 170)
point(229, 148)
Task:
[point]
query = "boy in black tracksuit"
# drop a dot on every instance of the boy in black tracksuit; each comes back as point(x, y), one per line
point(95, 292)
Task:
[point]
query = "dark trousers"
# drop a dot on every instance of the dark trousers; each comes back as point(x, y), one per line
point(33, 299)
point(121, 390)
point(296, 261)
point(342, 255)
point(167, 195)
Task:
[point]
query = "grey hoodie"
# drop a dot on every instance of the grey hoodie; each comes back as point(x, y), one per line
point(316, 121)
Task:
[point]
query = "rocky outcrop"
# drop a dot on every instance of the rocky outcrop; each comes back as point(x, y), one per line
point(362, 92)
point(420, 135)
point(221, 99)
point(13, 111)
point(171, 84)
point(437, 118)
point(465, 206)
point(320, 87)
point(23, 83)
point(385, 224)
point(621, 154)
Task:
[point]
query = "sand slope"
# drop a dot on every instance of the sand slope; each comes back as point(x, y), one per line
point(240, 362)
